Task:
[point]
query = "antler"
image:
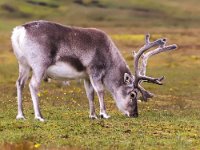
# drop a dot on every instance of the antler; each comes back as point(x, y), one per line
point(140, 72)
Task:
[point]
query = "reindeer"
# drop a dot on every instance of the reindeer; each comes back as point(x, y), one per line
point(64, 53)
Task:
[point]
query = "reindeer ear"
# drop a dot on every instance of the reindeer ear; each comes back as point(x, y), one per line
point(127, 78)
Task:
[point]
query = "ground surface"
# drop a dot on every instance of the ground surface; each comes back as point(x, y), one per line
point(170, 120)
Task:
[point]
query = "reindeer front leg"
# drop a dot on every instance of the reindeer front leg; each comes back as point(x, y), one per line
point(99, 88)
point(90, 95)
point(103, 113)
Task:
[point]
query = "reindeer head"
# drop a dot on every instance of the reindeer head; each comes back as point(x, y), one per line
point(126, 96)
point(132, 84)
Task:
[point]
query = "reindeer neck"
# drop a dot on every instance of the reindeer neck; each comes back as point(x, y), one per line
point(115, 75)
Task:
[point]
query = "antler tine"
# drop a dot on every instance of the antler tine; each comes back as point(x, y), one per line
point(147, 38)
point(137, 55)
point(145, 94)
point(140, 72)
point(146, 56)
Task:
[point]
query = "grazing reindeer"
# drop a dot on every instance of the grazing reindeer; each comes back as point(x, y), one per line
point(60, 52)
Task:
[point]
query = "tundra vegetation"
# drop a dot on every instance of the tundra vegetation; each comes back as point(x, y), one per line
point(170, 120)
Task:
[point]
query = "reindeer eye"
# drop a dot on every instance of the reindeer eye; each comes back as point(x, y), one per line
point(133, 95)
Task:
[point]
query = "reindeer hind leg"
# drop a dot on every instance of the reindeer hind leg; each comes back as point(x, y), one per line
point(23, 76)
point(34, 85)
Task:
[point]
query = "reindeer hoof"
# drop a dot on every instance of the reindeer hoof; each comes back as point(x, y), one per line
point(104, 116)
point(20, 117)
point(93, 117)
point(39, 119)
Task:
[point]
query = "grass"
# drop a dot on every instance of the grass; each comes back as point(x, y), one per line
point(112, 13)
point(168, 121)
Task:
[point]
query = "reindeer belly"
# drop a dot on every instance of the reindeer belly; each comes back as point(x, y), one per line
point(64, 71)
